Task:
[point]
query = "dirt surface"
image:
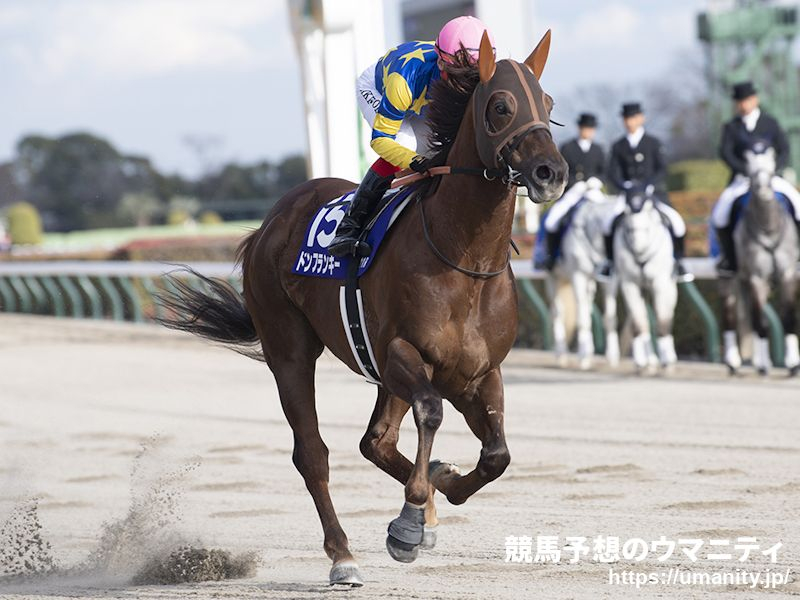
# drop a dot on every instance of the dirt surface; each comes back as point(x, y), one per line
point(108, 428)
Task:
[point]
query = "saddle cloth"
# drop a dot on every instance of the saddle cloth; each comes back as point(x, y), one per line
point(314, 260)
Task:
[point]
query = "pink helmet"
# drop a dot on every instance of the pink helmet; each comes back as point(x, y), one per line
point(466, 31)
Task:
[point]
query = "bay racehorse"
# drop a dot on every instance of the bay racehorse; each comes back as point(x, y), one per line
point(582, 253)
point(768, 252)
point(440, 303)
point(645, 265)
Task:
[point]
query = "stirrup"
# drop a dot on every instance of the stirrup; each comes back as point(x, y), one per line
point(350, 247)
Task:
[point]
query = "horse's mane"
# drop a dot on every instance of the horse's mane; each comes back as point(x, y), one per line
point(449, 99)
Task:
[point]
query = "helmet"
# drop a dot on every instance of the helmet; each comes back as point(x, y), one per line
point(466, 31)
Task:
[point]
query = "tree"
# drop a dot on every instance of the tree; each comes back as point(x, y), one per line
point(77, 180)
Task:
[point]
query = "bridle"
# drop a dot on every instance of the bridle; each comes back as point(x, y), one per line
point(496, 147)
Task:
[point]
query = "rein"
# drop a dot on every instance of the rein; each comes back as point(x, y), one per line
point(407, 177)
point(450, 263)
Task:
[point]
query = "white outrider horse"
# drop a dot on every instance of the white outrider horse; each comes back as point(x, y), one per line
point(644, 262)
point(582, 252)
point(768, 251)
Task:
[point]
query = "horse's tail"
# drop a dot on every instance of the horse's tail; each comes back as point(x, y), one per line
point(217, 313)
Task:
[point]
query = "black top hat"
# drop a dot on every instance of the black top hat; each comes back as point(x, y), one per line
point(630, 109)
point(587, 120)
point(743, 89)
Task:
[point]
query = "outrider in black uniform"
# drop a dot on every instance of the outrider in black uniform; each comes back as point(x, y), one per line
point(633, 168)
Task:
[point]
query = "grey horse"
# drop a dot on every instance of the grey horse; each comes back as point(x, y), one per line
point(582, 253)
point(768, 251)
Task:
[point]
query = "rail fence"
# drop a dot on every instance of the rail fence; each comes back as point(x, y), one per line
point(126, 291)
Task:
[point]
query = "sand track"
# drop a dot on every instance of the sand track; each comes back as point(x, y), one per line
point(599, 453)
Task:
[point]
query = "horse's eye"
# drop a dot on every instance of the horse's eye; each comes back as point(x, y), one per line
point(501, 108)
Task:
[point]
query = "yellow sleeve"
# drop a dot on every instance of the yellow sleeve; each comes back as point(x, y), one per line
point(392, 152)
point(397, 99)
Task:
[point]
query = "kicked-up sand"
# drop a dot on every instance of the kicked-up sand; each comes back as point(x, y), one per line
point(133, 459)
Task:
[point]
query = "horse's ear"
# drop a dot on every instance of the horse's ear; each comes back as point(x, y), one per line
point(486, 64)
point(538, 57)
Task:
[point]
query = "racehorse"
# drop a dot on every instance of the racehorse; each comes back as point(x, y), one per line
point(768, 252)
point(582, 252)
point(644, 262)
point(441, 313)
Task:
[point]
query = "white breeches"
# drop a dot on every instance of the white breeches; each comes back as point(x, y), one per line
point(676, 222)
point(560, 209)
point(721, 213)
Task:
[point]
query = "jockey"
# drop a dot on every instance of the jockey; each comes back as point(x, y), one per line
point(638, 159)
point(392, 95)
point(741, 133)
point(587, 164)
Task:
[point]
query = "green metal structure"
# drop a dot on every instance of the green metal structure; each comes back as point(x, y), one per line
point(753, 40)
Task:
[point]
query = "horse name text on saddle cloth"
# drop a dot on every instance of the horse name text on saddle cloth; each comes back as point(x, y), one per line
point(314, 260)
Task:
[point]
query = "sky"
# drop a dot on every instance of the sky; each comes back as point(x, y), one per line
point(148, 74)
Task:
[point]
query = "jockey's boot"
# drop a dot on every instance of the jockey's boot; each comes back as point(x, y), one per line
point(726, 265)
point(368, 194)
point(604, 272)
point(678, 248)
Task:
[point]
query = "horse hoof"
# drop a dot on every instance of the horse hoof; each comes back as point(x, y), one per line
point(346, 573)
point(732, 370)
point(793, 371)
point(402, 551)
point(406, 533)
point(428, 538)
point(585, 364)
point(763, 371)
point(438, 470)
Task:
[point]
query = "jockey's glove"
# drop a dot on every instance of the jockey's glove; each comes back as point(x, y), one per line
point(421, 164)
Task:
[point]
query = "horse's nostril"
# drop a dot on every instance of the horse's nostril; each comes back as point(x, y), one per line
point(544, 174)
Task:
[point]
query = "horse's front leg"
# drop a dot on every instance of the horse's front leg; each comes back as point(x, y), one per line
point(759, 291)
point(665, 299)
point(407, 376)
point(642, 343)
point(610, 321)
point(379, 446)
point(584, 296)
point(727, 292)
point(484, 414)
point(560, 345)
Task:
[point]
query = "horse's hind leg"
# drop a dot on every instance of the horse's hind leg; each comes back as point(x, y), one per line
point(379, 446)
point(484, 415)
point(788, 291)
point(291, 352)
